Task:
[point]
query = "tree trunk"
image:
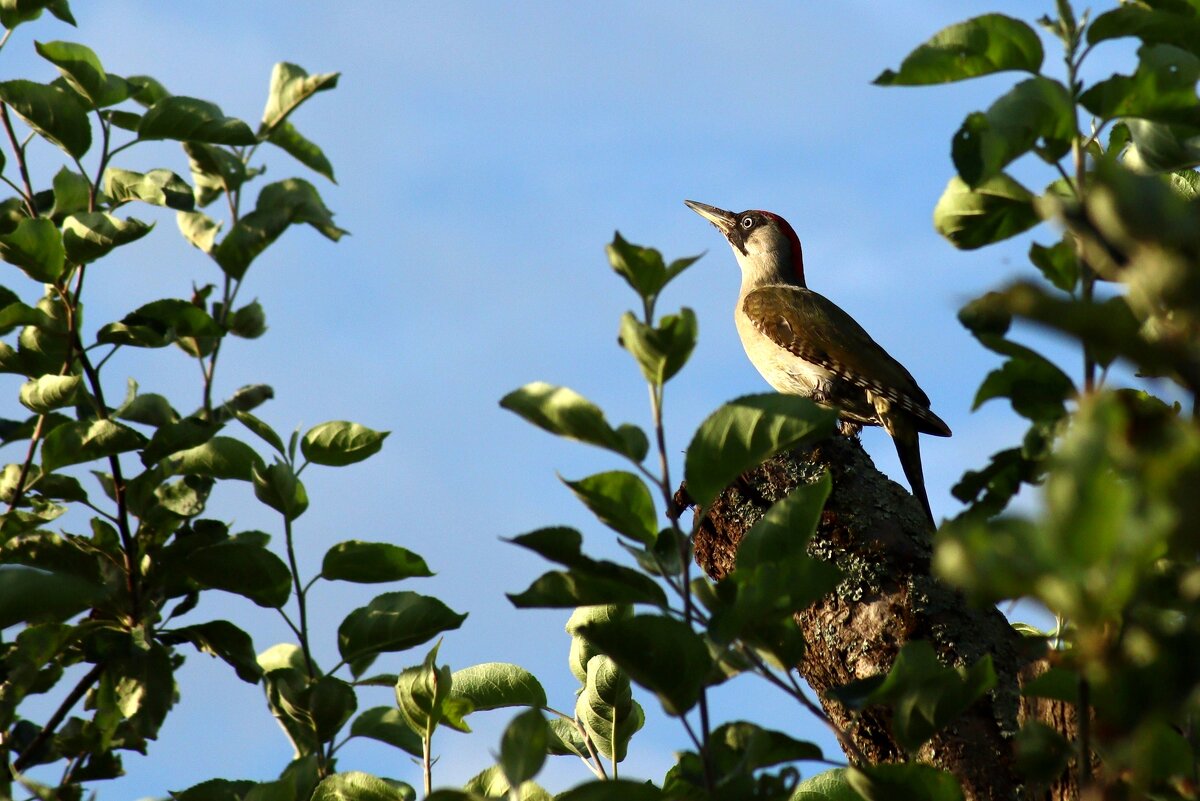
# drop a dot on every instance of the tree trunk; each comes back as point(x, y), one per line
point(878, 536)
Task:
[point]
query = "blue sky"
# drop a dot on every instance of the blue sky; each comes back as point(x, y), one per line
point(485, 153)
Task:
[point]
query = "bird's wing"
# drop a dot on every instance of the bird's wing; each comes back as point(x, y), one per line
point(812, 327)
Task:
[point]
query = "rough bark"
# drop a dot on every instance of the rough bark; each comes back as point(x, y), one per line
point(877, 534)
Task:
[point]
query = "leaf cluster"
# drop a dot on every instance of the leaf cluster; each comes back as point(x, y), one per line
point(1109, 546)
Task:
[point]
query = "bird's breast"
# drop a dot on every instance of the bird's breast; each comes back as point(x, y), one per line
point(783, 370)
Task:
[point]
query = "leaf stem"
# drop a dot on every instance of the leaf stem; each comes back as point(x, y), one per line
point(302, 633)
point(31, 751)
point(19, 155)
point(426, 761)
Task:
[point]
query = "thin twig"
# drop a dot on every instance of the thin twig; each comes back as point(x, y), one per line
point(35, 745)
point(19, 154)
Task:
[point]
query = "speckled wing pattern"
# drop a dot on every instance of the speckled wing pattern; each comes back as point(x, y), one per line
point(812, 327)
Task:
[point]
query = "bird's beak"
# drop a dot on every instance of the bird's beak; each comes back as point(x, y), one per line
point(725, 221)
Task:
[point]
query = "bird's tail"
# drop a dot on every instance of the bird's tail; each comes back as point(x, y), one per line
point(908, 448)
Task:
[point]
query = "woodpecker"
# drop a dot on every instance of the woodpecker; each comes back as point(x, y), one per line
point(803, 344)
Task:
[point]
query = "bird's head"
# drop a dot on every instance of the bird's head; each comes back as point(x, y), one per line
point(766, 247)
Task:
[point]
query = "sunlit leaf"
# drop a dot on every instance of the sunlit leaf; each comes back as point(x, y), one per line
point(978, 46)
point(54, 113)
point(291, 86)
point(157, 187)
point(36, 247)
point(566, 413)
point(88, 236)
point(394, 621)
point(660, 653)
point(494, 685)
point(995, 210)
point(371, 563)
point(339, 442)
point(745, 432)
point(187, 119)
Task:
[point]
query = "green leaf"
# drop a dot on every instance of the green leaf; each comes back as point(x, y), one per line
point(911, 781)
point(490, 783)
point(1037, 114)
point(59, 595)
point(925, 695)
point(174, 437)
point(278, 206)
point(52, 112)
point(86, 440)
point(662, 654)
point(221, 639)
point(284, 656)
point(423, 697)
point(493, 685)
point(125, 120)
point(248, 570)
point(157, 187)
point(1038, 389)
point(1159, 147)
point(291, 86)
point(215, 790)
point(159, 323)
point(71, 192)
point(278, 487)
point(1041, 752)
point(14, 12)
point(36, 247)
point(371, 563)
point(1162, 89)
point(386, 724)
point(219, 457)
point(187, 119)
point(339, 442)
point(784, 531)
point(523, 747)
point(287, 138)
point(621, 501)
point(143, 683)
point(199, 229)
point(261, 430)
point(642, 268)
point(756, 747)
point(215, 170)
point(394, 621)
point(606, 709)
point(1058, 263)
point(147, 90)
point(566, 413)
point(613, 790)
point(978, 46)
point(996, 209)
point(358, 786)
point(87, 236)
point(663, 350)
point(83, 72)
point(47, 392)
point(581, 650)
point(331, 702)
point(589, 581)
point(831, 785)
point(1160, 25)
point(745, 432)
point(248, 322)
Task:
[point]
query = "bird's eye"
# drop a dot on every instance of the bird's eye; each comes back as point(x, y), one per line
point(747, 222)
